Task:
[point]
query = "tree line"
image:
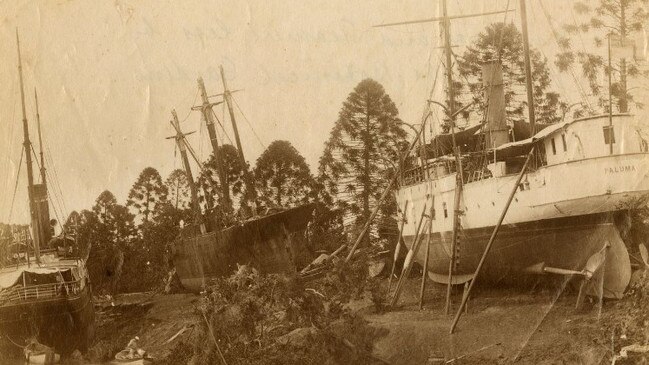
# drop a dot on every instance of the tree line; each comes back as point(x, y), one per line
point(363, 151)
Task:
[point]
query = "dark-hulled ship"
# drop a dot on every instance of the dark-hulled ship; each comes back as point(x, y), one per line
point(45, 292)
point(209, 248)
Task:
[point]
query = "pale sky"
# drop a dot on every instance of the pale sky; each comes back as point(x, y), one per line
point(109, 72)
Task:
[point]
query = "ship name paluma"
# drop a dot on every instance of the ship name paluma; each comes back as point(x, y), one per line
point(616, 169)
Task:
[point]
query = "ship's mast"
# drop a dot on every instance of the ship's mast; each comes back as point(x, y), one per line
point(27, 145)
point(456, 152)
point(528, 69)
point(181, 143)
point(40, 140)
point(445, 19)
point(250, 186)
point(206, 109)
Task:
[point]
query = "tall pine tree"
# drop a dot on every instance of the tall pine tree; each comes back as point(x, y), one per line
point(507, 39)
point(209, 181)
point(147, 194)
point(282, 176)
point(359, 157)
point(178, 187)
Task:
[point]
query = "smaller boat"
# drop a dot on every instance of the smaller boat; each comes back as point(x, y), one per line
point(126, 357)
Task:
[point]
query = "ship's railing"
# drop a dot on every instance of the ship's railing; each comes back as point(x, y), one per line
point(41, 291)
point(430, 171)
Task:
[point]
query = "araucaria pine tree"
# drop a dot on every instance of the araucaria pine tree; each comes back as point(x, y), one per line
point(599, 19)
point(500, 41)
point(362, 154)
point(147, 194)
point(282, 176)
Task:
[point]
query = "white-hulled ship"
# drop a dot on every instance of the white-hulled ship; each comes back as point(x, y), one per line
point(583, 174)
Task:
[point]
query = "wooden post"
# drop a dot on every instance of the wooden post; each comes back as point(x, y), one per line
point(406, 270)
point(456, 222)
point(465, 297)
point(425, 270)
point(409, 259)
point(398, 248)
point(491, 240)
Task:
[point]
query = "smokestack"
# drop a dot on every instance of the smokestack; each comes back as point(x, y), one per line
point(496, 130)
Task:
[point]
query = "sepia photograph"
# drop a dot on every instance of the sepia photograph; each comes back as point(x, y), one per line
point(191, 182)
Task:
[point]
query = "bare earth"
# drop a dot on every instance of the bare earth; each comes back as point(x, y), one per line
point(502, 326)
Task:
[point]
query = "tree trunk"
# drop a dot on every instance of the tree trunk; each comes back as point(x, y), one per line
point(366, 173)
point(623, 102)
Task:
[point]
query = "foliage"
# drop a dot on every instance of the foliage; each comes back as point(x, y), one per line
point(147, 194)
point(178, 187)
point(209, 181)
point(275, 320)
point(507, 39)
point(598, 19)
point(282, 176)
point(148, 260)
point(108, 230)
point(359, 156)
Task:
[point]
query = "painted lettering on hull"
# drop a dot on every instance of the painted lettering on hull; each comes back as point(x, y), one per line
point(618, 169)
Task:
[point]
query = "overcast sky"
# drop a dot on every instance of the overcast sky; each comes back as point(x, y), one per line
point(109, 72)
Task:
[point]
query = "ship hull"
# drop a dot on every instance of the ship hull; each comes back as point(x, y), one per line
point(65, 324)
point(565, 243)
point(561, 213)
point(264, 244)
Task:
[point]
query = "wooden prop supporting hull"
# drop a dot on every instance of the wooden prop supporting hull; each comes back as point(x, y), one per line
point(565, 243)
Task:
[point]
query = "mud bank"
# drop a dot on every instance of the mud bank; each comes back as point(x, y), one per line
point(504, 326)
point(501, 326)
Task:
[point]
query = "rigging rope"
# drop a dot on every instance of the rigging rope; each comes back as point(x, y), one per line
point(555, 35)
point(249, 124)
point(11, 145)
point(13, 198)
point(222, 128)
point(53, 177)
point(39, 167)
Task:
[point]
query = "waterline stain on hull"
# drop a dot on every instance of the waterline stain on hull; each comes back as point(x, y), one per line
point(564, 243)
point(262, 243)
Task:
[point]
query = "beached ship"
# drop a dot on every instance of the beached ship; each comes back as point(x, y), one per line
point(45, 291)
point(576, 178)
point(210, 248)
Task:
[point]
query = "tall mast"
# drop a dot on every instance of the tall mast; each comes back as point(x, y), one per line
point(456, 152)
point(206, 109)
point(40, 140)
point(27, 145)
point(180, 141)
point(227, 95)
point(449, 66)
point(228, 100)
point(528, 69)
